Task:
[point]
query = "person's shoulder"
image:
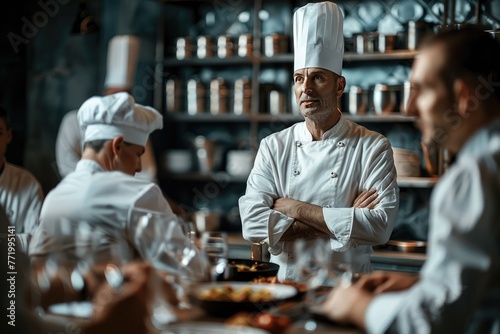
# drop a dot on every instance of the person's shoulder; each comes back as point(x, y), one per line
point(20, 173)
point(284, 134)
point(366, 135)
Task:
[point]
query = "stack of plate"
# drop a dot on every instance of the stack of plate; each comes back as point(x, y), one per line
point(407, 162)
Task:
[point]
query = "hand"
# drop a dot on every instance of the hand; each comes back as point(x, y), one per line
point(383, 281)
point(348, 304)
point(367, 199)
point(112, 307)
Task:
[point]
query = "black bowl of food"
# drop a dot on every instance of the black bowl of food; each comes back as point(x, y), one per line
point(247, 270)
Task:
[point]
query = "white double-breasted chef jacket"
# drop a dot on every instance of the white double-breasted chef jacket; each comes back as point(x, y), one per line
point(100, 198)
point(330, 173)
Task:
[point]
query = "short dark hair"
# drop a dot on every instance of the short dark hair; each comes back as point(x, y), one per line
point(470, 50)
point(96, 145)
point(5, 116)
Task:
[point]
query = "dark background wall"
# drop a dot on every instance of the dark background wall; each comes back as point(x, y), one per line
point(47, 69)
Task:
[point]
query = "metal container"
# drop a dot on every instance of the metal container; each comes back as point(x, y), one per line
point(208, 154)
point(242, 96)
point(387, 43)
point(225, 47)
point(358, 100)
point(276, 102)
point(173, 95)
point(183, 48)
point(384, 99)
point(407, 87)
point(366, 43)
point(417, 31)
point(204, 47)
point(195, 97)
point(218, 96)
point(275, 44)
point(245, 45)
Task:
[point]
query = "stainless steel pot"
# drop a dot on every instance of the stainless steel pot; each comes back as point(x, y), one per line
point(384, 99)
point(357, 100)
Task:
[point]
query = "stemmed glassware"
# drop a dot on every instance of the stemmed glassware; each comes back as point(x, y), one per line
point(311, 267)
point(214, 248)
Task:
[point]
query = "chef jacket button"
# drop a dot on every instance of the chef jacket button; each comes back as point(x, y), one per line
point(296, 172)
point(333, 175)
point(340, 144)
point(299, 144)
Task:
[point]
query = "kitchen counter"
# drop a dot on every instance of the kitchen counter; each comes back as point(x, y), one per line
point(382, 259)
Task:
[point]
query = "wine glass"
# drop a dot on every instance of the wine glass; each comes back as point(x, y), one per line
point(311, 267)
point(215, 249)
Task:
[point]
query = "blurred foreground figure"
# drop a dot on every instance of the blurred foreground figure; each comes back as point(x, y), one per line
point(457, 104)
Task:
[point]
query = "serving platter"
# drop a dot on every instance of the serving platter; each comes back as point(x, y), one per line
point(209, 328)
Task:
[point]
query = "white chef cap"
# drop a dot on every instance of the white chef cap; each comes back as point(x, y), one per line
point(123, 52)
point(318, 37)
point(118, 115)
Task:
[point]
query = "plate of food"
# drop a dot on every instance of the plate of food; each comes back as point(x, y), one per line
point(209, 327)
point(247, 270)
point(225, 299)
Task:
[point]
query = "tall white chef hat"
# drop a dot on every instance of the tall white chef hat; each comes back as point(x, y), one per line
point(318, 37)
point(118, 115)
point(123, 52)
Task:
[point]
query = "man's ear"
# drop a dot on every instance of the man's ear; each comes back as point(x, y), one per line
point(116, 145)
point(462, 92)
point(340, 86)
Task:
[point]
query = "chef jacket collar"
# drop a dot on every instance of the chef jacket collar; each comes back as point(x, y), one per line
point(88, 165)
point(338, 130)
point(475, 145)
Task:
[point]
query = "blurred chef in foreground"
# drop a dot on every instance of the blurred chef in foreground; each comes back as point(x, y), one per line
point(456, 100)
point(326, 177)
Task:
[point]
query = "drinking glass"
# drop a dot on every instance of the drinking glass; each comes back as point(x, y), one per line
point(214, 247)
point(311, 267)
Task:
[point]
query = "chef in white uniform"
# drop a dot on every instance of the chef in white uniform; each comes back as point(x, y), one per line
point(21, 195)
point(123, 53)
point(326, 177)
point(456, 100)
point(102, 191)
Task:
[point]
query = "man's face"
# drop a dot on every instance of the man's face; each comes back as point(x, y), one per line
point(129, 158)
point(431, 101)
point(5, 138)
point(316, 92)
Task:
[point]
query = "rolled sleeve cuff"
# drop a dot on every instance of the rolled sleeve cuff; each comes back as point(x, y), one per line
point(278, 224)
point(339, 222)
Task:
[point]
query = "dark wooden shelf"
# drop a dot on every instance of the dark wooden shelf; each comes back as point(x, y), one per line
point(286, 59)
point(203, 177)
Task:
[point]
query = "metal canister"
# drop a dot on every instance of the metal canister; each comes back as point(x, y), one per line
point(218, 96)
point(242, 96)
point(407, 87)
point(245, 45)
point(195, 97)
point(183, 48)
point(204, 47)
point(275, 44)
point(357, 100)
point(225, 46)
point(276, 102)
point(173, 93)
